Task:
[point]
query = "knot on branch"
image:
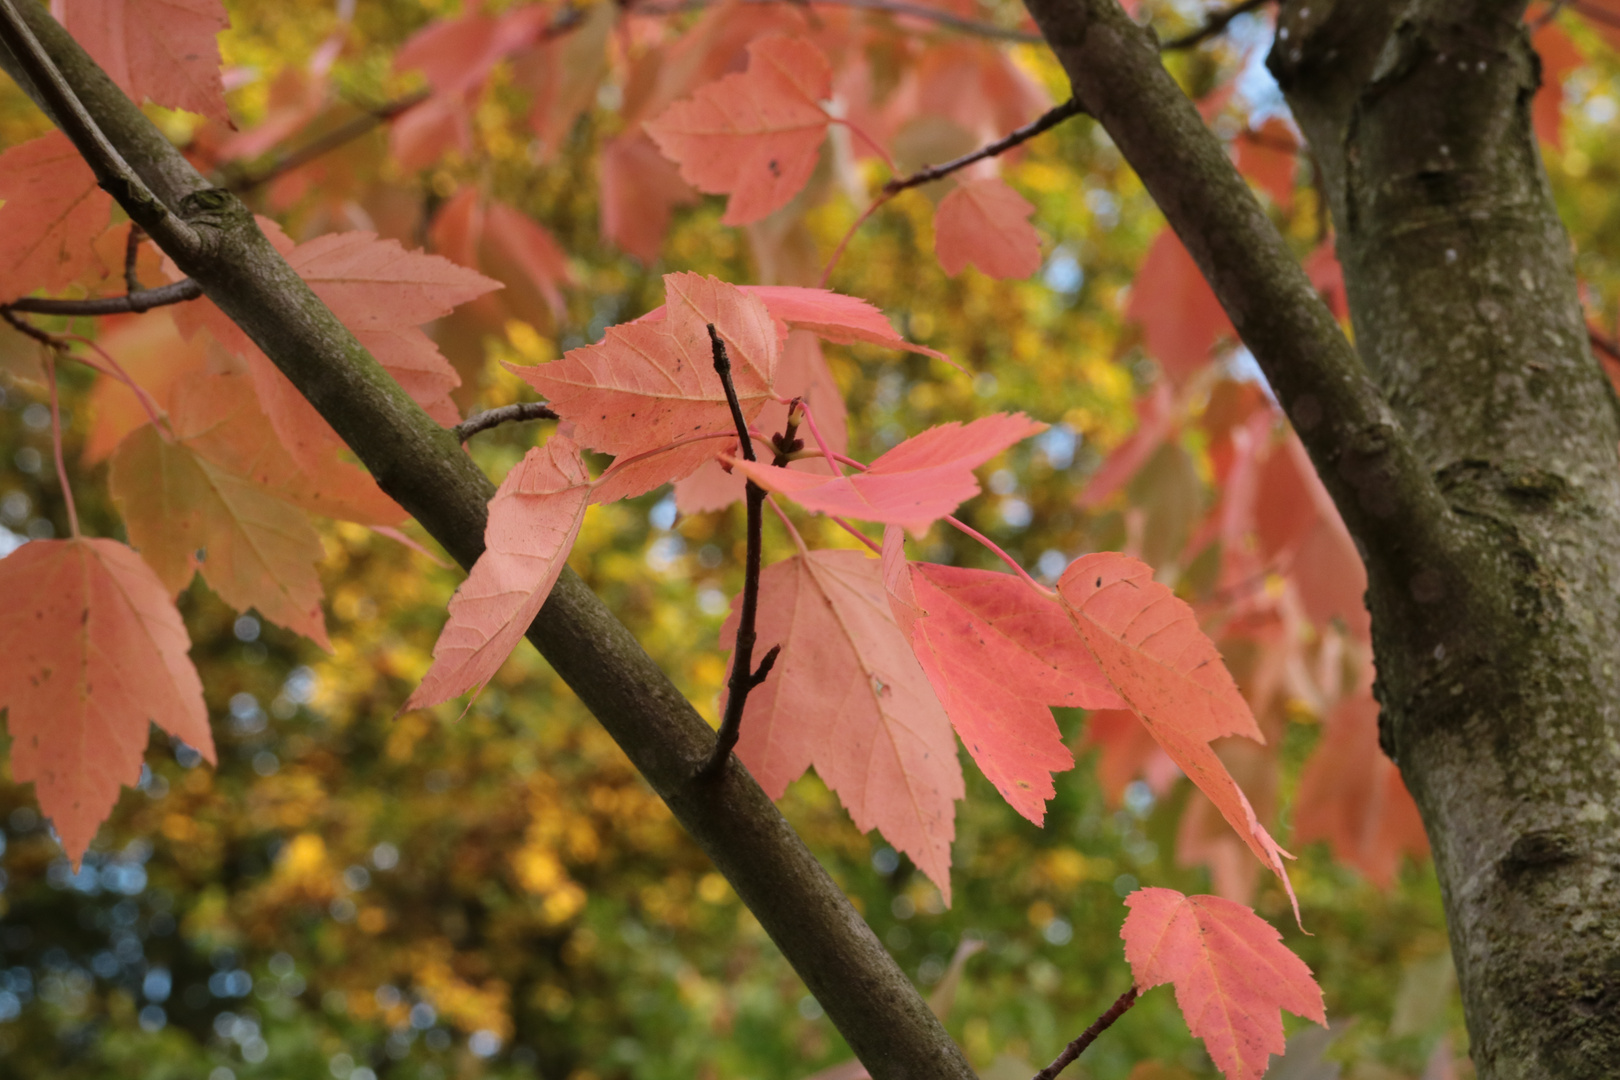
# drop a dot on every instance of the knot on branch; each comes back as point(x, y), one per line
point(215, 208)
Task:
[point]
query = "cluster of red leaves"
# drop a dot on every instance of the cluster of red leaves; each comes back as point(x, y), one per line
point(216, 461)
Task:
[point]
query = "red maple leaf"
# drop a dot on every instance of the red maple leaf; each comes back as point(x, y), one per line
point(998, 654)
point(163, 50)
point(1233, 975)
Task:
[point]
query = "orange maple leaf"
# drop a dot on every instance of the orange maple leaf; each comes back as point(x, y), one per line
point(158, 49)
point(986, 223)
point(94, 650)
point(1148, 643)
point(755, 135)
point(52, 215)
point(533, 520)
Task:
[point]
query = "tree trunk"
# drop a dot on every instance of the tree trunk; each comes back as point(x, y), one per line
point(1505, 723)
point(1471, 449)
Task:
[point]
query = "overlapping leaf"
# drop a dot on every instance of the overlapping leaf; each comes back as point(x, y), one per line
point(831, 316)
point(1232, 974)
point(185, 514)
point(1148, 643)
point(755, 135)
point(802, 373)
point(163, 50)
point(382, 293)
point(998, 654)
point(91, 653)
point(848, 697)
point(651, 383)
point(52, 215)
point(534, 518)
point(916, 483)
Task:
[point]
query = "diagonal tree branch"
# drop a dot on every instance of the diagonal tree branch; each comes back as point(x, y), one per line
point(422, 466)
point(1388, 501)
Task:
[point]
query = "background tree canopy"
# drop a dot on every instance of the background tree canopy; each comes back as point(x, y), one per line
point(499, 893)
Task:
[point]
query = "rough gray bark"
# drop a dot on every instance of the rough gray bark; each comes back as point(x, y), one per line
point(1506, 725)
point(865, 994)
point(1471, 450)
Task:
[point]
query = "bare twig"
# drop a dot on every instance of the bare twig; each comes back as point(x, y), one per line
point(743, 675)
point(145, 300)
point(1550, 14)
point(132, 254)
point(1212, 26)
point(893, 7)
point(1088, 1036)
point(1595, 14)
point(568, 20)
point(23, 326)
point(1610, 349)
point(522, 412)
point(1045, 122)
point(56, 447)
point(325, 144)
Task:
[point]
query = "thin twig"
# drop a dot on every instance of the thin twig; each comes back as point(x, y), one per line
point(113, 173)
point(996, 550)
point(743, 675)
point(1595, 14)
point(132, 254)
point(1212, 26)
point(325, 144)
point(570, 19)
point(145, 300)
point(1051, 118)
point(1088, 1036)
point(1551, 13)
point(522, 412)
point(56, 447)
point(23, 326)
point(1603, 345)
point(892, 7)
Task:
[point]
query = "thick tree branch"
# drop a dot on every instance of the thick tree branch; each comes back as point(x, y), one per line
point(423, 467)
point(1391, 505)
